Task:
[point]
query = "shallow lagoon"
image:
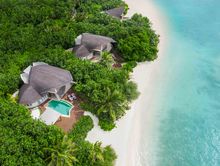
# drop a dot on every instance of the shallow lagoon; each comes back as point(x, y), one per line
point(188, 110)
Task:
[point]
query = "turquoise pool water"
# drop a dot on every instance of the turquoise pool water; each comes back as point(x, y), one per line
point(188, 111)
point(61, 106)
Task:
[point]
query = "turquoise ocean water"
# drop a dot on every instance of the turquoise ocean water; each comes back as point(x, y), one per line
point(188, 114)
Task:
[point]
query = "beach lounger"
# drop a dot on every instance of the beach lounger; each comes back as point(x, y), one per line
point(70, 98)
point(73, 96)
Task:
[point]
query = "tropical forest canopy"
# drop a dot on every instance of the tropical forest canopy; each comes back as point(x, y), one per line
point(41, 30)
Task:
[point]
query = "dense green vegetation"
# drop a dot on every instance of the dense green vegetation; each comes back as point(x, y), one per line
point(25, 141)
point(41, 31)
point(80, 130)
point(63, 153)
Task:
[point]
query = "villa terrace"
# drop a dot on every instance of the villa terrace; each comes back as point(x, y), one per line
point(67, 123)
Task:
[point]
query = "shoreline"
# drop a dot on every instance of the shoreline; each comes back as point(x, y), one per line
point(126, 137)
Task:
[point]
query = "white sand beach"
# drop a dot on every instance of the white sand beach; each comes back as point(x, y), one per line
point(125, 138)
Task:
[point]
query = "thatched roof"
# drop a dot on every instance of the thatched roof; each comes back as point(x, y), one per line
point(116, 12)
point(91, 41)
point(28, 95)
point(81, 51)
point(43, 78)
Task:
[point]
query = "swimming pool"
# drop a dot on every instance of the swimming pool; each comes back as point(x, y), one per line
point(61, 106)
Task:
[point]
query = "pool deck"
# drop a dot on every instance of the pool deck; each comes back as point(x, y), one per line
point(67, 123)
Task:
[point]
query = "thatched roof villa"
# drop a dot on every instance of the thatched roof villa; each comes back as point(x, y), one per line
point(116, 12)
point(88, 45)
point(42, 81)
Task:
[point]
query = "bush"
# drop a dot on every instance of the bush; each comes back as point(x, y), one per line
point(106, 125)
point(81, 128)
point(109, 155)
point(129, 66)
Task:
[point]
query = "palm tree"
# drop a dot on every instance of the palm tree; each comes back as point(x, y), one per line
point(106, 59)
point(96, 153)
point(62, 154)
point(114, 105)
